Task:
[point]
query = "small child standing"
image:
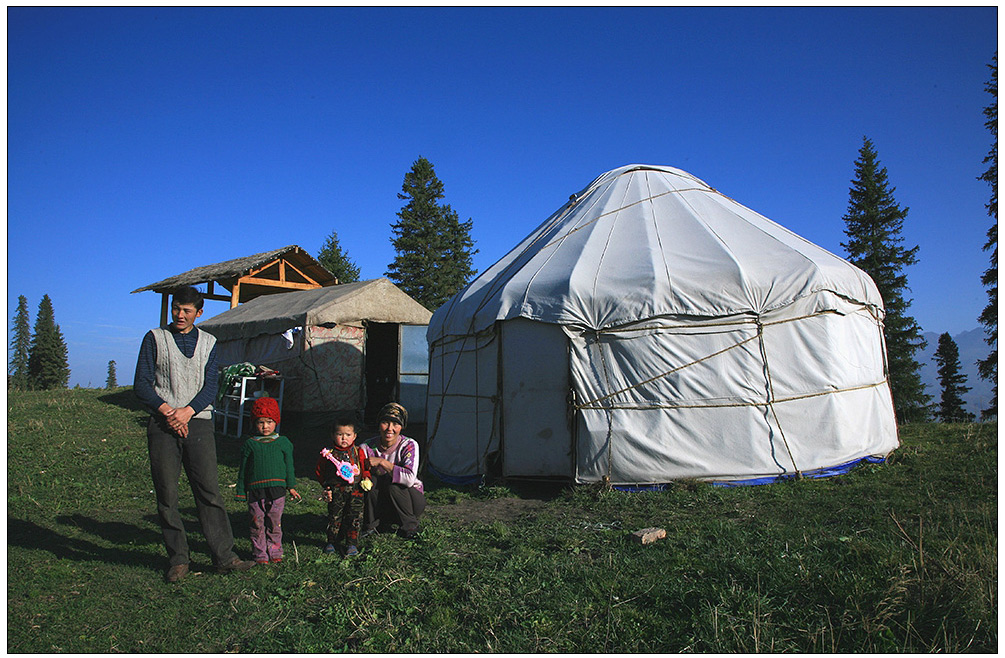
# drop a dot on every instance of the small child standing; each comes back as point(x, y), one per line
point(343, 474)
point(263, 477)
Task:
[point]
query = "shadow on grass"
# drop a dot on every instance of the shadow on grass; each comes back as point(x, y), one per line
point(543, 490)
point(305, 528)
point(26, 534)
point(126, 399)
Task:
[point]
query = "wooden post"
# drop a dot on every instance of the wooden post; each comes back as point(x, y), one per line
point(164, 309)
point(235, 295)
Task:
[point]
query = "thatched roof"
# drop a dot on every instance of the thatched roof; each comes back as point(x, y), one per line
point(238, 267)
point(280, 270)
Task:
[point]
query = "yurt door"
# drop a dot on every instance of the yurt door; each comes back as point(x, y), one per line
point(536, 440)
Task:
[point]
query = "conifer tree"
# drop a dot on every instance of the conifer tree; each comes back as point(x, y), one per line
point(20, 345)
point(111, 382)
point(953, 382)
point(873, 224)
point(988, 368)
point(47, 361)
point(434, 248)
point(337, 261)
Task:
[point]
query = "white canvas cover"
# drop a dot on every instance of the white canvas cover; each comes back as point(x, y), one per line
point(376, 300)
point(703, 340)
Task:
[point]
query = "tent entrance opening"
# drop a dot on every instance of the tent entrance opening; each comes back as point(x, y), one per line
point(381, 368)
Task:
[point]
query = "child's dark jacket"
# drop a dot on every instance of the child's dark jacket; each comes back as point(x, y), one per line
point(327, 472)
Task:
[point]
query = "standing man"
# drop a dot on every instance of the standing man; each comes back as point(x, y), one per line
point(176, 379)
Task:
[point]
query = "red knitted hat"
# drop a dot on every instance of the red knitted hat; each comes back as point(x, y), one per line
point(265, 408)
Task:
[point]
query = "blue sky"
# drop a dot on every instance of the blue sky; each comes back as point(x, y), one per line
point(145, 142)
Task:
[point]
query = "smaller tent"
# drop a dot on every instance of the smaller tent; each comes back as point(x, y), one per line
point(350, 347)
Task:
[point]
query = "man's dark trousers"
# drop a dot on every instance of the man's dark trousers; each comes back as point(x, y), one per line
point(169, 453)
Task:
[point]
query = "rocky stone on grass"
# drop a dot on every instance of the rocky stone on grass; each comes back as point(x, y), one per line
point(648, 535)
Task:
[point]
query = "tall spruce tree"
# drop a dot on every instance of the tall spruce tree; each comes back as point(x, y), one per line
point(47, 361)
point(434, 248)
point(111, 381)
point(951, 408)
point(873, 224)
point(337, 261)
point(20, 345)
point(988, 368)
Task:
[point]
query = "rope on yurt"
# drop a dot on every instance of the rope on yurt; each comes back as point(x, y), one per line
point(771, 395)
point(610, 416)
point(442, 343)
point(588, 403)
point(620, 208)
point(735, 404)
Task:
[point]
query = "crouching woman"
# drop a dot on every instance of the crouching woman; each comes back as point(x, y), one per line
point(397, 496)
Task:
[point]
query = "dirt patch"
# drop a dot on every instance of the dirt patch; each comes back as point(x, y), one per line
point(530, 499)
point(505, 510)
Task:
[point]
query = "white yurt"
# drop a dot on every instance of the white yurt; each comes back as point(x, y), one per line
point(652, 330)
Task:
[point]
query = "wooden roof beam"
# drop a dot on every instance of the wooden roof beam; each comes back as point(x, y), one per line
point(272, 283)
point(283, 265)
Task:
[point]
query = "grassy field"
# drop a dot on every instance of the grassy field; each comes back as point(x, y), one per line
point(900, 557)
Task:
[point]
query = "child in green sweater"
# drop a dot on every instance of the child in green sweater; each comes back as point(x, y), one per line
point(263, 476)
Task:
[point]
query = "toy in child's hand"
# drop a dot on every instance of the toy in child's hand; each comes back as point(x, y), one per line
point(346, 470)
point(365, 484)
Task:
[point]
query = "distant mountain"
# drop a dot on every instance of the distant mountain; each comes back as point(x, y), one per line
point(972, 348)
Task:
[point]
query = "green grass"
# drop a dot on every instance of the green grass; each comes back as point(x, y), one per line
point(900, 557)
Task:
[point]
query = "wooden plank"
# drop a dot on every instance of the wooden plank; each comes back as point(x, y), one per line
point(306, 277)
point(164, 309)
point(272, 283)
point(257, 270)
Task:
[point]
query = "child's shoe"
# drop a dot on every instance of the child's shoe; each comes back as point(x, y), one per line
point(329, 549)
point(276, 560)
point(351, 550)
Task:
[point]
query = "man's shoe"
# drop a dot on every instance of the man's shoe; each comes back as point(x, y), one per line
point(237, 564)
point(408, 534)
point(176, 573)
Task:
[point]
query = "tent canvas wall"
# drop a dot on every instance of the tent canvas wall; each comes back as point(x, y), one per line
point(653, 329)
point(347, 347)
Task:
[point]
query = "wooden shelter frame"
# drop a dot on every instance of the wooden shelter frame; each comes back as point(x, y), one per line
point(281, 270)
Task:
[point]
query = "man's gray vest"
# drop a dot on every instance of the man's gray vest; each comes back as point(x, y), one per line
point(177, 378)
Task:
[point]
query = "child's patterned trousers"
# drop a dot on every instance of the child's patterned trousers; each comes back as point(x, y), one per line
point(266, 529)
point(345, 509)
